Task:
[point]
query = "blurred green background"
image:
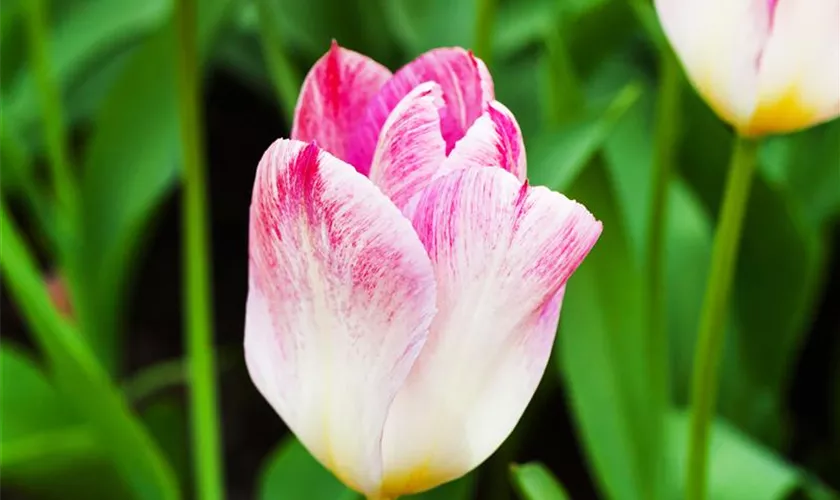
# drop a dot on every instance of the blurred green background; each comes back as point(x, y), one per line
point(94, 405)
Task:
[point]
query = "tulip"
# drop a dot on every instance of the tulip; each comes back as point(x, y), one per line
point(405, 280)
point(764, 66)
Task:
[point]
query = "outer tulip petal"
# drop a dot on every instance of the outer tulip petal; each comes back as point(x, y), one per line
point(466, 89)
point(502, 252)
point(494, 140)
point(410, 149)
point(799, 79)
point(333, 98)
point(720, 43)
point(341, 298)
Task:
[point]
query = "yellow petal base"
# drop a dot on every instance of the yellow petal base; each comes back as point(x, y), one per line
point(786, 113)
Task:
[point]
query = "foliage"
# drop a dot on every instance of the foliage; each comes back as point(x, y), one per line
point(581, 77)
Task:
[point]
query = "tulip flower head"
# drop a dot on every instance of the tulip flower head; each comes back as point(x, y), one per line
point(405, 280)
point(764, 66)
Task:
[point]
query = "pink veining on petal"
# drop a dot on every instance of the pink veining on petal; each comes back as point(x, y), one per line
point(333, 98)
point(411, 148)
point(771, 8)
point(502, 253)
point(494, 140)
point(466, 89)
point(341, 295)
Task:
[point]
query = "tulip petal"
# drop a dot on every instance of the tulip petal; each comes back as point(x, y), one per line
point(341, 297)
point(502, 252)
point(494, 140)
point(410, 149)
point(720, 43)
point(799, 79)
point(333, 98)
point(466, 87)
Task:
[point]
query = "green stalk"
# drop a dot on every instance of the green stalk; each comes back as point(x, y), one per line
point(711, 333)
point(667, 124)
point(197, 322)
point(53, 119)
point(485, 18)
point(284, 77)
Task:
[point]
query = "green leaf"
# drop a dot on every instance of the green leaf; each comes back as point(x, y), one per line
point(533, 481)
point(515, 82)
point(421, 26)
point(45, 450)
point(84, 37)
point(130, 164)
point(28, 402)
point(309, 27)
point(739, 467)
point(291, 472)
point(556, 159)
point(806, 165)
point(603, 357)
point(166, 419)
point(81, 380)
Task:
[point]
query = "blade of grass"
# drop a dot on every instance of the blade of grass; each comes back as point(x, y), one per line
point(207, 460)
point(80, 377)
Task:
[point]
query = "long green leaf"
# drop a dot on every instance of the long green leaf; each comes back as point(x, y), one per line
point(84, 37)
point(130, 165)
point(603, 357)
point(557, 158)
point(45, 449)
point(83, 381)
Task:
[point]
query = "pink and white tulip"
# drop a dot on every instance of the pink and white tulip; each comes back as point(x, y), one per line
point(405, 280)
point(765, 66)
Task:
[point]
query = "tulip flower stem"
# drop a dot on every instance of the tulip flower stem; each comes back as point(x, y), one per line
point(667, 118)
point(197, 321)
point(715, 305)
point(485, 19)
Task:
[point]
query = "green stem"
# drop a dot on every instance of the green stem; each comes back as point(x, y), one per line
point(284, 77)
point(197, 321)
point(485, 18)
point(711, 333)
point(54, 129)
point(667, 124)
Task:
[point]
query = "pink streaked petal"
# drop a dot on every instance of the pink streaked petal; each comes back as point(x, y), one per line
point(494, 140)
point(502, 252)
point(466, 90)
point(333, 98)
point(340, 300)
point(487, 87)
point(410, 149)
